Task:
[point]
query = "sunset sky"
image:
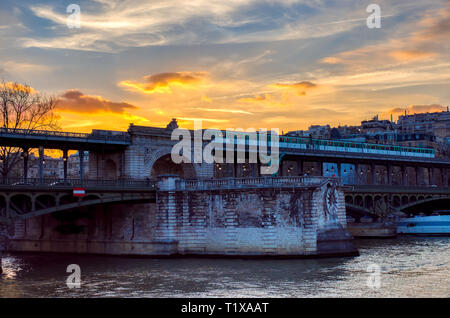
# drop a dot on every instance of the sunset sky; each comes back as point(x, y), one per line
point(283, 64)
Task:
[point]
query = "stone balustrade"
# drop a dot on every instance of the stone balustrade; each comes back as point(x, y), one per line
point(236, 183)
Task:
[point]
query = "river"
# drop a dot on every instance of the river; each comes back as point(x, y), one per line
point(409, 267)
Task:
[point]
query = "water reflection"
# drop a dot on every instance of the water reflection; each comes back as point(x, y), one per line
point(410, 267)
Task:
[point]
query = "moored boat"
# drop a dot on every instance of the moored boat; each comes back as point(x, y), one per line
point(437, 223)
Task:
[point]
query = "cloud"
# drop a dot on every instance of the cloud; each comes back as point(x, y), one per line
point(75, 101)
point(255, 99)
point(232, 111)
point(413, 109)
point(299, 88)
point(213, 120)
point(18, 87)
point(118, 25)
point(410, 55)
point(436, 29)
point(164, 82)
point(206, 99)
point(429, 41)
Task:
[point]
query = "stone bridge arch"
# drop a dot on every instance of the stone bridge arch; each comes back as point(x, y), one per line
point(160, 162)
point(23, 206)
point(442, 203)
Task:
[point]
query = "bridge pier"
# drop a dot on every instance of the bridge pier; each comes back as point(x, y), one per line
point(3, 242)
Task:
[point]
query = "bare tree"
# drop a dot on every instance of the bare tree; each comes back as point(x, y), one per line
point(22, 108)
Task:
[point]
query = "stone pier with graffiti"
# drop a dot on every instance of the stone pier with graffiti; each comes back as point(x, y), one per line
point(241, 217)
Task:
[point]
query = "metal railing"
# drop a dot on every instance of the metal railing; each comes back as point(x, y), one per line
point(13, 183)
point(259, 182)
point(50, 133)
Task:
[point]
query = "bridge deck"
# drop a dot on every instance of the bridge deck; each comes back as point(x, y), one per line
point(125, 185)
point(62, 140)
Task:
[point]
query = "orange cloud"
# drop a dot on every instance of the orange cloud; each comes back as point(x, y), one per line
point(436, 28)
point(75, 101)
point(18, 87)
point(330, 60)
point(255, 99)
point(163, 82)
point(410, 55)
point(300, 88)
point(412, 109)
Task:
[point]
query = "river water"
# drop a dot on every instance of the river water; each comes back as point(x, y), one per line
point(409, 267)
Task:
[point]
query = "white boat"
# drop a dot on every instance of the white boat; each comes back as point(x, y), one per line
point(437, 223)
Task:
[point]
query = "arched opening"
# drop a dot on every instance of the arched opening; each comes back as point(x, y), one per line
point(405, 200)
point(2, 206)
point(21, 203)
point(45, 201)
point(359, 200)
point(396, 201)
point(380, 205)
point(348, 199)
point(110, 172)
point(368, 202)
point(67, 199)
point(165, 165)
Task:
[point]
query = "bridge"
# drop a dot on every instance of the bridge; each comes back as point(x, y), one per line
point(126, 203)
point(264, 216)
point(26, 198)
point(377, 178)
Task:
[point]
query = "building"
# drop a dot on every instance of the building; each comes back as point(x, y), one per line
point(315, 131)
point(437, 124)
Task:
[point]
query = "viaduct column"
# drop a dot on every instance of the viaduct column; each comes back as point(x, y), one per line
point(417, 169)
point(445, 176)
point(81, 155)
point(389, 172)
point(338, 165)
point(41, 163)
point(3, 242)
point(300, 167)
point(374, 175)
point(404, 180)
point(357, 174)
point(65, 163)
point(25, 162)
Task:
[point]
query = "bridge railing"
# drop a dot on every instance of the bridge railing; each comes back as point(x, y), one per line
point(236, 183)
point(97, 135)
point(73, 183)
